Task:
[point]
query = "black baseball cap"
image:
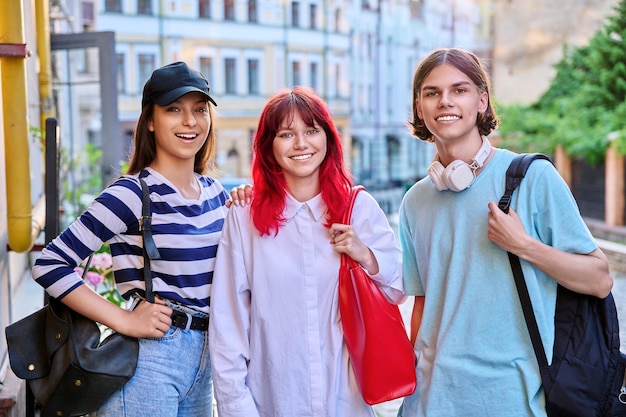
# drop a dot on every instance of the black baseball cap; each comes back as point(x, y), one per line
point(167, 84)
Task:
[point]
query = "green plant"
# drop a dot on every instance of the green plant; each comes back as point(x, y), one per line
point(38, 136)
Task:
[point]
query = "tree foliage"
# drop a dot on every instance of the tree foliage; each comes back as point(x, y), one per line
point(585, 103)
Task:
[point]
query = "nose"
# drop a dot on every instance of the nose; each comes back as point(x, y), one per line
point(299, 141)
point(445, 100)
point(189, 118)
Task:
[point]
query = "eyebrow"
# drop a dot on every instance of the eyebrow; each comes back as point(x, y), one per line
point(457, 84)
point(199, 101)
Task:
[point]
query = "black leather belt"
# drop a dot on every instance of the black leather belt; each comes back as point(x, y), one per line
point(188, 322)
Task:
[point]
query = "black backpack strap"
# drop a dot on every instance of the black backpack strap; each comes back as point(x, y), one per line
point(150, 251)
point(514, 175)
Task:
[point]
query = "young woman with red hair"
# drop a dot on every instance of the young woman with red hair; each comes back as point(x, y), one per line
point(276, 342)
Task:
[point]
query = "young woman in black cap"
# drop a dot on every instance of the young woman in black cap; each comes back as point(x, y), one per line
point(174, 146)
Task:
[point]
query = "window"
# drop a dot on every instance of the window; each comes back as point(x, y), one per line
point(417, 9)
point(361, 98)
point(230, 75)
point(313, 75)
point(87, 12)
point(252, 11)
point(337, 20)
point(313, 16)
point(253, 76)
point(295, 72)
point(113, 6)
point(229, 9)
point(295, 14)
point(121, 77)
point(144, 7)
point(147, 63)
point(206, 68)
point(337, 80)
point(204, 8)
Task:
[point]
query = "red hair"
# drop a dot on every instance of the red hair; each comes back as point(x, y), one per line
point(270, 188)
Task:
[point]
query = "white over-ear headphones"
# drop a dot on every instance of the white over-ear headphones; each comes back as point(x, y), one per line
point(458, 175)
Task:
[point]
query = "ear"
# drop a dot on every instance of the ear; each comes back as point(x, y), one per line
point(418, 108)
point(151, 125)
point(484, 101)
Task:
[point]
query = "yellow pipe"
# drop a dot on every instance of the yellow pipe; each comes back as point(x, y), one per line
point(42, 16)
point(15, 115)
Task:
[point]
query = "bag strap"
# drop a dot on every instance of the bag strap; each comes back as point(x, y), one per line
point(150, 250)
point(347, 216)
point(514, 175)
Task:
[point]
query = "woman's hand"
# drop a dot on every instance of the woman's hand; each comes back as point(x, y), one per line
point(240, 195)
point(146, 320)
point(149, 320)
point(345, 240)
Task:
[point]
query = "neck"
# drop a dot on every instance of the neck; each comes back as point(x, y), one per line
point(184, 179)
point(478, 149)
point(304, 189)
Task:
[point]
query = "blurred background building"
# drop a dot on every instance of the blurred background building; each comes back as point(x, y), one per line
point(359, 55)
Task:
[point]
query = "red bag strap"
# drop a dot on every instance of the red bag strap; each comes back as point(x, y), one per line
point(348, 214)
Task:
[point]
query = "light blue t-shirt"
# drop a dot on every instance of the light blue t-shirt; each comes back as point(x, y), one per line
point(475, 358)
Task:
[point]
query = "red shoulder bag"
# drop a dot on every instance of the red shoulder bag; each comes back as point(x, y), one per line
point(380, 351)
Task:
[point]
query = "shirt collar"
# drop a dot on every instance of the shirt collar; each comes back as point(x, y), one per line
point(316, 206)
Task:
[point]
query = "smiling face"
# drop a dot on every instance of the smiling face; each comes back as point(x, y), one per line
point(180, 128)
point(299, 150)
point(449, 103)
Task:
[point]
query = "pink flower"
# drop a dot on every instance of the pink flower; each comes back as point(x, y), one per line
point(94, 278)
point(102, 260)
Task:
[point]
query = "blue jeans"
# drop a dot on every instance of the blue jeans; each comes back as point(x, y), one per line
point(173, 379)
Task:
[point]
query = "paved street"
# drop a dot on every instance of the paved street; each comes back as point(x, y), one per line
point(619, 293)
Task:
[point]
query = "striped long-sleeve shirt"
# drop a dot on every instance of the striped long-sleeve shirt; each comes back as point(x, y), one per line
point(186, 232)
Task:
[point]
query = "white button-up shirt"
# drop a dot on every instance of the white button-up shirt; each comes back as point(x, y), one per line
point(275, 334)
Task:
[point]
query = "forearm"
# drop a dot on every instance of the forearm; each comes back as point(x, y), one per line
point(228, 344)
point(582, 273)
point(416, 317)
point(389, 277)
point(90, 304)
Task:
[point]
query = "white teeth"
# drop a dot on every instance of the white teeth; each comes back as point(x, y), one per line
point(189, 136)
point(447, 118)
point(301, 157)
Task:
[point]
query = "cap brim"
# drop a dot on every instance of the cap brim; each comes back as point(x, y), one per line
point(177, 93)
